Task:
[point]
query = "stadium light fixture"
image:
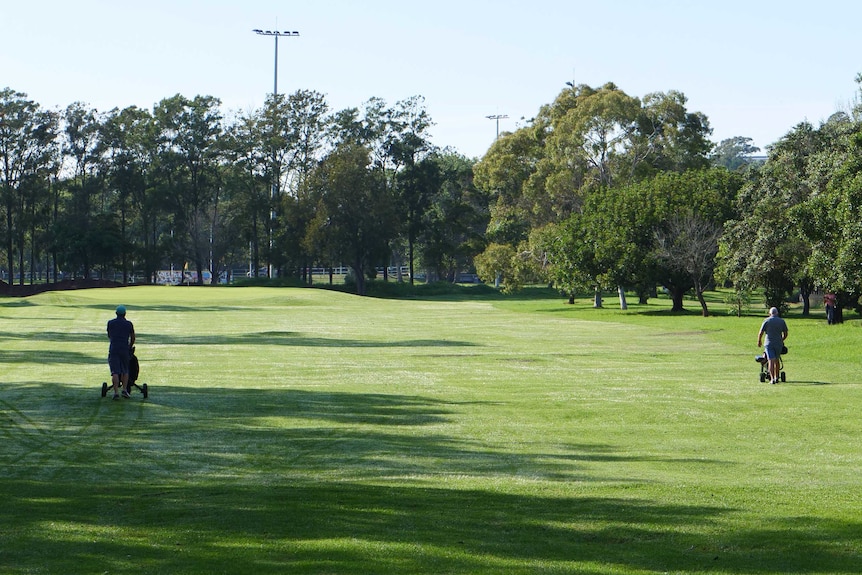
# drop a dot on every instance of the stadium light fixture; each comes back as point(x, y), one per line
point(497, 117)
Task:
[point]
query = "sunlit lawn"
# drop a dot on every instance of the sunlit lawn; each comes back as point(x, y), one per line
point(307, 431)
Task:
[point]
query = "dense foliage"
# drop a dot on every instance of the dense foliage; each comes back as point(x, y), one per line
point(276, 191)
point(601, 190)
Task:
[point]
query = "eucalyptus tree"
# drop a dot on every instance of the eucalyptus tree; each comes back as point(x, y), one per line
point(129, 146)
point(503, 174)
point(593, 135)
point(354, 214)
point(829, 219)
point(456, 219)
point(188, 133)
point(28, 157)
point(293, 132)
point(86, 201)
point(248, 181)
point(733, 153)
point(669, 137)
point(764, 246)
point(398, 141)
point(588, 141)
point(417, 177)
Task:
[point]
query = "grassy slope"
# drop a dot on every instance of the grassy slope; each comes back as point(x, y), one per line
point(306, 431)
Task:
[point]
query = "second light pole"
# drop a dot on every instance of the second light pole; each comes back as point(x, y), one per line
point(497, 117)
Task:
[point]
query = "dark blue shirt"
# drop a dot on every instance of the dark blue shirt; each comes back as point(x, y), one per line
point(120, 331)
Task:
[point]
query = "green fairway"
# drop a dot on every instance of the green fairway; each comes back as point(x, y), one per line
point(305, 431)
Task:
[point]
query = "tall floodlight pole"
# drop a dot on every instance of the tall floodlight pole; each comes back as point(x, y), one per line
point(276, 176)
point(275, 34)
point(497, 117)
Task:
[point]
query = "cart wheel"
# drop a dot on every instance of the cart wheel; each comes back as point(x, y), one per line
point(762, 377)
point(783, 378)
point(104, 388)
point(145, 390)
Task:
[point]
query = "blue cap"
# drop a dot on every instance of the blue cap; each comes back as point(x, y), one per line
point(121, 310)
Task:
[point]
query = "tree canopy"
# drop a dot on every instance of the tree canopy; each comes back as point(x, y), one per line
point(600, 190)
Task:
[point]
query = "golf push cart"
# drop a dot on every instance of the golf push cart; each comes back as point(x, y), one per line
point(134, 371)
point(764, 365)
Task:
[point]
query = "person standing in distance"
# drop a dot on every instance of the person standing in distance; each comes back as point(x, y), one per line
point(775, 330)
point(121, 333)
point(829, 301)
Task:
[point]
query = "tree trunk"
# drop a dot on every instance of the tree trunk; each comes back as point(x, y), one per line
point(597, 301)
point(359, 277)
point(623, 304)
point(409, 258)
point(677, 297)
point(700, 298)
point(805, 293)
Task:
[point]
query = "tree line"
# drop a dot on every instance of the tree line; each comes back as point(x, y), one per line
point(599, 191)
point(605, 191)
point(286, 187)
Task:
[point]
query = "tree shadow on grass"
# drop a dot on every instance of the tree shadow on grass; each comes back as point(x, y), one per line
point(109, 308)
point(349, 527)
point(277, 338)
point(42, 356)
point(296, 339)
point(194, 480)
point(246, 432)
point(57, 336)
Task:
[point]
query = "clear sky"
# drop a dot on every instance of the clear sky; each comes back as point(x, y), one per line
point(756, 68)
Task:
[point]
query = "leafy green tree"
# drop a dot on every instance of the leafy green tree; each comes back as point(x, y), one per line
point(86, 185)
point(129, 147)
point(764, 246)
point(733, 153)
point(661, 230)
point(293, 133)
point(828, 220)
point(692, 209)
point(571, 263)
point(249, 183)
point(398, 143)
point(417, 176)
point(355, 212)
point(495, 263)
point(589, 141)
point(416, 184)
point(27, 155)
point(456, 219)
point(188, 135)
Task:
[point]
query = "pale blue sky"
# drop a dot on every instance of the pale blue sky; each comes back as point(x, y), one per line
point(755, 68)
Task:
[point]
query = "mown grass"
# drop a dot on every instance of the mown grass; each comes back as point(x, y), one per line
point(311, 431)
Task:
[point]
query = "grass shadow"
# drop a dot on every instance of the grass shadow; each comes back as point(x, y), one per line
point(295, 339)
point(278, 338)
point(42, 356)
point(310, 527)
point(305, 481)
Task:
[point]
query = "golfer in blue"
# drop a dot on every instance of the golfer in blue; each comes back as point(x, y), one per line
point(121, 333)
point(775, 330)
